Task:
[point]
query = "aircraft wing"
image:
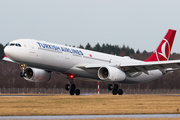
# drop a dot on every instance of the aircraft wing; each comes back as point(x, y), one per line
point(138, 66)
point(7, 59)
point(145, 66)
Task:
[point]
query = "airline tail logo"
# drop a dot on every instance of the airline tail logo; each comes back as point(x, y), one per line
point(164, 51)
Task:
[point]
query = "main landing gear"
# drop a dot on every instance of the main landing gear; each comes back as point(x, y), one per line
point(72, 87)
point(115, 89)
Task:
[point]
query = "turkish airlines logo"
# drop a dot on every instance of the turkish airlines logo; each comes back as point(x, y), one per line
point(163, 50)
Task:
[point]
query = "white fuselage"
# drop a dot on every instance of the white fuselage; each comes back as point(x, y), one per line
point(64, 59)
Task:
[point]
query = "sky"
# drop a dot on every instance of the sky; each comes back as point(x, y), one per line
point(140, 24)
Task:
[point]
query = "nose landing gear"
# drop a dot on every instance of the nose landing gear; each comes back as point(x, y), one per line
point(23, 74)
point(22, 67)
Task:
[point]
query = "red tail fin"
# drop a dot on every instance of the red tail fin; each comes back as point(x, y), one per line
point(163, 51)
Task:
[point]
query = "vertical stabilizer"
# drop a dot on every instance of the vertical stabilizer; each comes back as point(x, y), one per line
point(163, 51)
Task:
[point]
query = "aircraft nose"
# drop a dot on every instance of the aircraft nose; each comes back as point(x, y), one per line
point(7, 51)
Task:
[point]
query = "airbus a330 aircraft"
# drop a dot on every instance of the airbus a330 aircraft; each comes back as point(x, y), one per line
point(38, 59)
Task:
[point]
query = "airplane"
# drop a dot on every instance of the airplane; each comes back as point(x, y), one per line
point(38, 59)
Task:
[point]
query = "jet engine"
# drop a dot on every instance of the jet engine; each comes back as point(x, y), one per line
point(36, 75)
point(111, 74)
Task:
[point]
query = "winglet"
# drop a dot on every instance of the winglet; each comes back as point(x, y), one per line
point(163, 51)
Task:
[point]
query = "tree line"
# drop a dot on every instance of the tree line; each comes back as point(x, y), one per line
point(110, 49)
point(1, 51)
point(10, 78)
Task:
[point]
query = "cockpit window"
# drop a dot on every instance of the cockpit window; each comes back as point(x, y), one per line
point(19, 45)
point(15, 44)
point(12, 44)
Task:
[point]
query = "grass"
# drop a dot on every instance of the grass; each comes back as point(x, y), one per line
point(88, 105)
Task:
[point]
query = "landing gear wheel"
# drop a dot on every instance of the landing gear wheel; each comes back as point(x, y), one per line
point(67, 87)
point(77, 91)
point(116, 87)
point(73, 87)
point(114, 92)
point(110, 87)
point(120, 91)
point(71, 92)
point(24, 74)
point(21, 74)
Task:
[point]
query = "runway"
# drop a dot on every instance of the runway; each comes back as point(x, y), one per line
point(93, 116)
point(22, 95)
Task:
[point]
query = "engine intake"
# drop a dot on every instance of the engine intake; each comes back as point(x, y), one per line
point(36, 75)
point(111, 74)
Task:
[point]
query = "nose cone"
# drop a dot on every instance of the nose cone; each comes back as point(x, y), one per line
point(8, 51)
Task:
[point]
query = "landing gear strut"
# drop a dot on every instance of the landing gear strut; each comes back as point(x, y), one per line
point(23, 74)
point(22, 67)
point(115, 89)
point(72, 87)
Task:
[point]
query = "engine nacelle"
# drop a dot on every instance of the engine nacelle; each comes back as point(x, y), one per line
point(111, 74)
point(36, 75)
